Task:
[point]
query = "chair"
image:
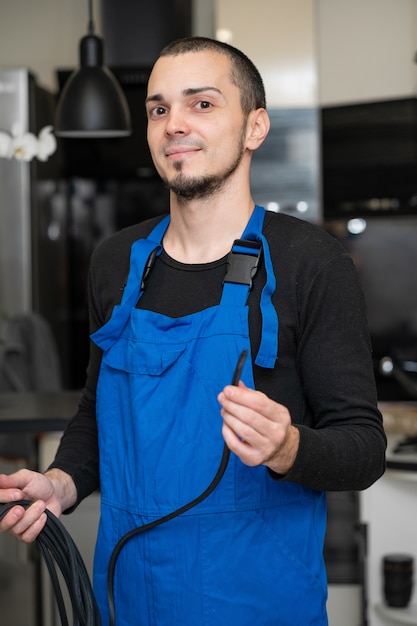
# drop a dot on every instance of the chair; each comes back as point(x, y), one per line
point(28, 362)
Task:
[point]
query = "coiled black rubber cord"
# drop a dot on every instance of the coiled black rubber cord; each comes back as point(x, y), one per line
point(57, 546)
point(166, 518)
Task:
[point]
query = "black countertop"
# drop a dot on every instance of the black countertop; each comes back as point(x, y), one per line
point(37, 412)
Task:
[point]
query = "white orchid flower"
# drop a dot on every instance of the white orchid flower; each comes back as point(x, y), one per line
point(46, 143)
point(17, 129)
point(24, 147)
point(5, 145)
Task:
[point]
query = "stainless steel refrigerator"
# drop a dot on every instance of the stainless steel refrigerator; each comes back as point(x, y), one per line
point(17, 88)
point(35, 274)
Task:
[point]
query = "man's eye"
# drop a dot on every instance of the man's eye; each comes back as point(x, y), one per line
point(157, 111)
point(204, 105)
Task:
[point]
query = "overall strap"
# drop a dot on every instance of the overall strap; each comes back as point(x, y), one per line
point(158, 232)
point(243, 262)
point(142, 256)
point(242, 265)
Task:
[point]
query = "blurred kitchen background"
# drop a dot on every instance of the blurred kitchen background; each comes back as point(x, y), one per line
point(341, 87)
point(341, 82)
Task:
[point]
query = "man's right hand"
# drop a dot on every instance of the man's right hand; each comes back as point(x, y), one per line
point(53, 490)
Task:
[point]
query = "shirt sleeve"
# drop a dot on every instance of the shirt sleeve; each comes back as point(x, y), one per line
point(343, 445)
point(77, 454)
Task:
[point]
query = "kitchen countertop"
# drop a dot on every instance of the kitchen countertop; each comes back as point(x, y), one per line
point(34, 412)
point(400, 423)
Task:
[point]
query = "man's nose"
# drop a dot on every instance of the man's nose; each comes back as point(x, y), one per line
point(177, 123)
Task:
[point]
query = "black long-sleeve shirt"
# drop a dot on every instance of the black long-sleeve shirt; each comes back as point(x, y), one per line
point(324, 373)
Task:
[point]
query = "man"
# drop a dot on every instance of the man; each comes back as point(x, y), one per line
point(302, 420)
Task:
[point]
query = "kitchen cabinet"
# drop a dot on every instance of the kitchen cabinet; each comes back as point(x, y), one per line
point(389, 508)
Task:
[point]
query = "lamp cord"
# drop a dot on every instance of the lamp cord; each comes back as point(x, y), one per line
point(90, 27)
point(57, 547)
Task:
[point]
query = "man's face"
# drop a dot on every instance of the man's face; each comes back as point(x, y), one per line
point(196, 127)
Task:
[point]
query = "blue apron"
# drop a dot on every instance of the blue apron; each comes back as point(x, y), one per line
point(251, 552)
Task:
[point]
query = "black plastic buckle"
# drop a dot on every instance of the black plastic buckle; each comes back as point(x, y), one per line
point(149, 265)
point(242, 266)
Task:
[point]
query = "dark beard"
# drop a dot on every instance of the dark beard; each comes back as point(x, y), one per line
point(196, 188)
point(190, 188)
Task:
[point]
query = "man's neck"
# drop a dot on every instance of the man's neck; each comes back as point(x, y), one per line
point(203, 230)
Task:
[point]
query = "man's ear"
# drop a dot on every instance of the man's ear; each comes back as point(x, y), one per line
point(257, 128)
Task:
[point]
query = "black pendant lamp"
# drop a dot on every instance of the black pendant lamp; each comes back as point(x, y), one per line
point(92, 103)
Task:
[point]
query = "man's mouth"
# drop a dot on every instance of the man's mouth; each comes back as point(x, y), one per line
point(180, 151)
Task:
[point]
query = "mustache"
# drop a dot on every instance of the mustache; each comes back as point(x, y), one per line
point(175, 144)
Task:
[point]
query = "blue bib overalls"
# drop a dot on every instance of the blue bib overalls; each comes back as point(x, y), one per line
point(251, 553)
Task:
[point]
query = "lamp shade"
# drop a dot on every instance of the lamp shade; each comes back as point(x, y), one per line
point(92, 103)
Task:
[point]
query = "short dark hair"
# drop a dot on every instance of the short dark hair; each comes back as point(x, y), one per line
point(244, 73)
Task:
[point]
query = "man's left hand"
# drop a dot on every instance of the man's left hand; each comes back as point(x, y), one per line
point(257, 429)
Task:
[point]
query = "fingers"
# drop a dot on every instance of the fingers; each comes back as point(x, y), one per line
point(245, 408)
point(233, 397)
point(9, 492)
point(254, 426)
point(14, 482)
point(25, 524)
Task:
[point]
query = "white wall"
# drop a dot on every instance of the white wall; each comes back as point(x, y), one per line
point(43, 34)
point(366, 49)
point(279, 36)
point(332, 51)
point(326, 51)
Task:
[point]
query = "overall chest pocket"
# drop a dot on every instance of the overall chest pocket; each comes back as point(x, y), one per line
point(141, 358)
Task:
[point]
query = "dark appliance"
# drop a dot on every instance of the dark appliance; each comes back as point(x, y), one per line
point(135, 31)
point(369, 158)
point(384, 249)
